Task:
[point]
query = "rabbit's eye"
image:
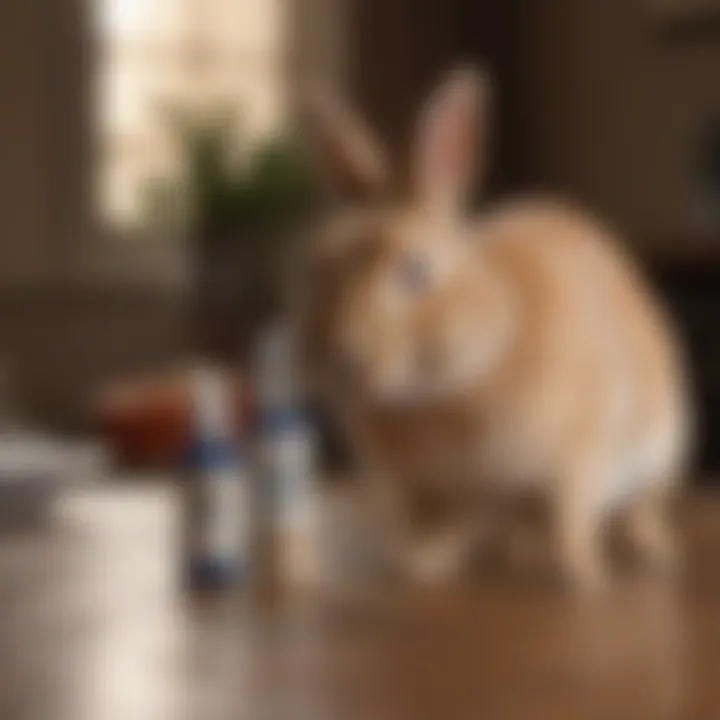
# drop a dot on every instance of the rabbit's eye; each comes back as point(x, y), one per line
point(414, 274)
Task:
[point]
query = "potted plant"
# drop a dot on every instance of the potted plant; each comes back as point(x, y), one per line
point(242, 205)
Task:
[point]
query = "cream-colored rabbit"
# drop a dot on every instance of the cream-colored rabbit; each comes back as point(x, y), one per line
point(518, 352)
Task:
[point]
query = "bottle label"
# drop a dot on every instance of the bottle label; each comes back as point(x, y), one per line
point(220, 510)
point(288, 464)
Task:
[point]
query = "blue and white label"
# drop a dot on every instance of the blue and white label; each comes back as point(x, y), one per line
point(225, 528)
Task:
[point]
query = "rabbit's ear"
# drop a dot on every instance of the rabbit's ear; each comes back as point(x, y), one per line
point(445, 152)
point(350, 157)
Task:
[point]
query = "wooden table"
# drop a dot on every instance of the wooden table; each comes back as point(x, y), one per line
point(92, 625)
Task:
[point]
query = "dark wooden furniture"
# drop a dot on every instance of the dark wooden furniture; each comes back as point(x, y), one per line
point(690, 284)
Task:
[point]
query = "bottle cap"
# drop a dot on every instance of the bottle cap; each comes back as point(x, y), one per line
point(211, 402)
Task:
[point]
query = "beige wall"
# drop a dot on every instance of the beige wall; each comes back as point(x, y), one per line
point(613, 108)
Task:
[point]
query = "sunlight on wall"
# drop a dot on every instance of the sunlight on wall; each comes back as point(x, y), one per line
point(196, 53)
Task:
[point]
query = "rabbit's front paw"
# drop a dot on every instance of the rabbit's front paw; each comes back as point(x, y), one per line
point(653, 537)
point(438, 559)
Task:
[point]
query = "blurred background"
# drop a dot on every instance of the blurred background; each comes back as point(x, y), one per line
point(153, 179)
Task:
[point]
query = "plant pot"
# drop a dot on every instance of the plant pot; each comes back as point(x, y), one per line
point(238, 290)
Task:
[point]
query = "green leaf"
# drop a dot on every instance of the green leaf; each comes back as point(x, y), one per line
point(231, 188)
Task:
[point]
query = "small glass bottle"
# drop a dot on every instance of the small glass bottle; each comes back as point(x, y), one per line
point(216, 503)
point(286, 482)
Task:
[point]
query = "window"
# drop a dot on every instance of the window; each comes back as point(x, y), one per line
point(195, 53)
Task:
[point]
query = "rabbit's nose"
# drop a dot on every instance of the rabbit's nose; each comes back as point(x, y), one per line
point(349, 365)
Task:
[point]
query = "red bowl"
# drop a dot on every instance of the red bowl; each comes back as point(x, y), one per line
point(149, 422)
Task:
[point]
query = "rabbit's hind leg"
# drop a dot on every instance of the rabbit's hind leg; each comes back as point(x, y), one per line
point(650, 530)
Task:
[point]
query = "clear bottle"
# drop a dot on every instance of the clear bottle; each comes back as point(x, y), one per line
point(216, 503)
point(286, 482)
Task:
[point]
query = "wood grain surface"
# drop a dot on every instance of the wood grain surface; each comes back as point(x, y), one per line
point(93, 625)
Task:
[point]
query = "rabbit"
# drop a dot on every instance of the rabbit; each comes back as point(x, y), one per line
point(517, 352)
